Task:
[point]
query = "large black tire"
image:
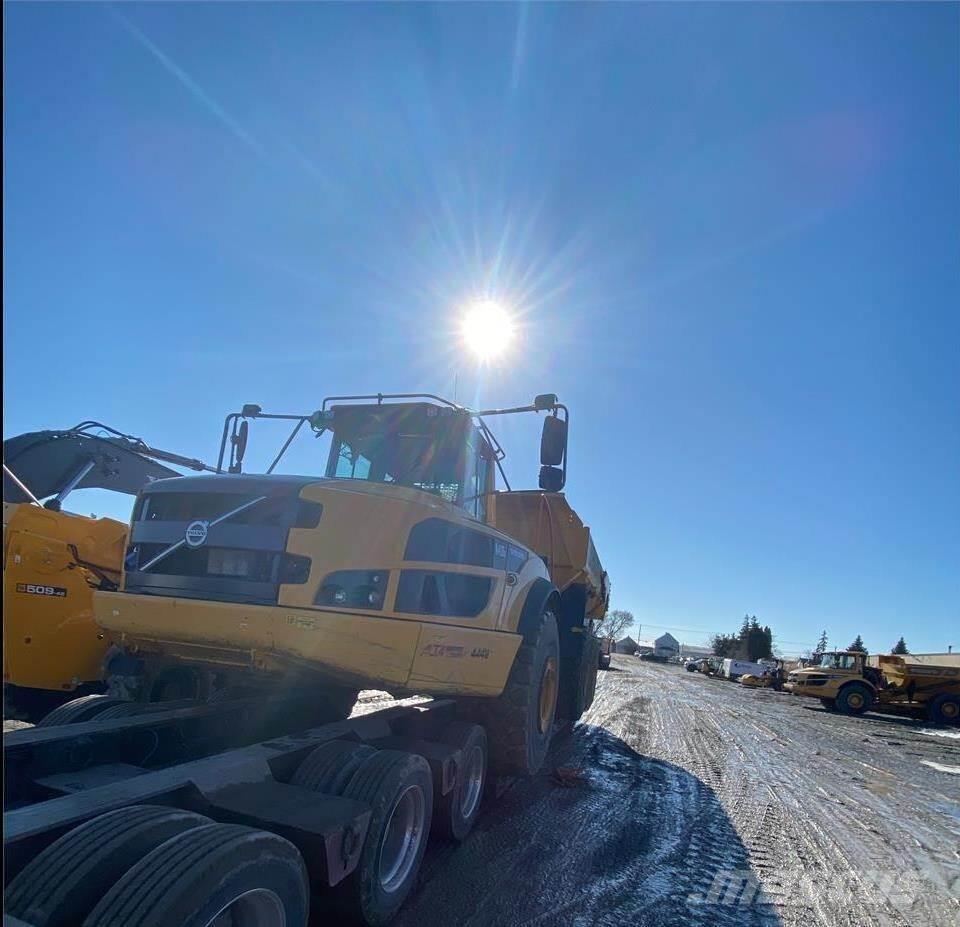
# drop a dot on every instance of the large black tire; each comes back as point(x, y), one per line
point(944, 709)
point(61, 885)
point(456, 812)
point(392, 783)
point(192, 877)
point(854, 699)
point(78, 710)
point(519, 733)
point(330, 767)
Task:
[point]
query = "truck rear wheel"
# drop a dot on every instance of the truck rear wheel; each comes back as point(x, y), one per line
point(944, 709)
point(219, 873)
point(398, 787)
point(78, 710)
point(457, 811)
point(520, 722)
point(854, 699)
point(330, 767)
point(60, 886)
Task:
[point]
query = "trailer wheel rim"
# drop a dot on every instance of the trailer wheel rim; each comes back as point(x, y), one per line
point(472, 782)
point(402, 838)
point(855, 700)
point(548, 694)
point(258, 907)
point(950, 710)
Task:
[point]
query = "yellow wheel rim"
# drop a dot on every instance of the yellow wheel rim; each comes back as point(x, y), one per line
point(548, 694)
point(855, 700)
point(950, 710)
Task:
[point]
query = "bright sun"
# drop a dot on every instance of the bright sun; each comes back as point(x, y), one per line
point(487, 329)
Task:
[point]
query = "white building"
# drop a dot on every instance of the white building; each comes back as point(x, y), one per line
point(665, 646)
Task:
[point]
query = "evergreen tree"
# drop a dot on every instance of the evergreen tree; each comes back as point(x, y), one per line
point(822, 644)
point(857, 645)
point(900, 647)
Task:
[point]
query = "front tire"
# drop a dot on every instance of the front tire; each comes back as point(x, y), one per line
point(854, 699)
point(520, 722)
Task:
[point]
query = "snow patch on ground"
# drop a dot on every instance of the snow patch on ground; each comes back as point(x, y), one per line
point(941, 767)
point(953, 735)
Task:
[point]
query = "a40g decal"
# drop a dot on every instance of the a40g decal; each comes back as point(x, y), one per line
point(35, 589)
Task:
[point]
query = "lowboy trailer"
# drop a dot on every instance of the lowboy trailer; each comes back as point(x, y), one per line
point(95, 813)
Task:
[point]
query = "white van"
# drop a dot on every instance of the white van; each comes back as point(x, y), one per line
point(734, 669)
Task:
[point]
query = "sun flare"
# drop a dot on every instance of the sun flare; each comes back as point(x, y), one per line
point(487, 329)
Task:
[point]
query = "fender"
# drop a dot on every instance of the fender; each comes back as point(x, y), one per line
point(538, 595)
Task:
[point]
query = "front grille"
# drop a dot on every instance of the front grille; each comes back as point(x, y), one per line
point(254, 565)
point(241, 558)
point(209, 506)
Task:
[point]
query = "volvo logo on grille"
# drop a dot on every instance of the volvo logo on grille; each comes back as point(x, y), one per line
point(196, 533)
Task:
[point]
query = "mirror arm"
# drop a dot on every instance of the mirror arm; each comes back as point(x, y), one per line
point(231, 418)
point(286, 444)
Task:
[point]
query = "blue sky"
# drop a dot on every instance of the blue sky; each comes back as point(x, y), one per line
point(730, 234)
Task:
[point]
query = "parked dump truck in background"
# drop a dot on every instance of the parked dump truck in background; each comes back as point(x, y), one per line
point(402, 569)
point(53, 560)
point(845, 682)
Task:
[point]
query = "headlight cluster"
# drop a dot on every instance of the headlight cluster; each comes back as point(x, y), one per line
point(354, 589)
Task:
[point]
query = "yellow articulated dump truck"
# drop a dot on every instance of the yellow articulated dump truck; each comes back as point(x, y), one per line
point(54, 559)
point(401, 569)
point(844, 682)
point(224, 778)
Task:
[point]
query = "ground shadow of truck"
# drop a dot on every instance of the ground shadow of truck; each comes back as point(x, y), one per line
point(637, 842)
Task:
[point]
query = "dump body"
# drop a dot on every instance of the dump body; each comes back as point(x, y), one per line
point(547, 524)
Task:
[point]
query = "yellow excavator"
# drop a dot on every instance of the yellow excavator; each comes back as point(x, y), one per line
point(53, 559)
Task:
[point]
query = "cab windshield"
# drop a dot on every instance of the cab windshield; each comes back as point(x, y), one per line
point(408, 446)
point(838, 661)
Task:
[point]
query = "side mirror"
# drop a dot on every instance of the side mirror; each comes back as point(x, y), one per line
point(553, 442)
point(239, 446)
point(551, 479)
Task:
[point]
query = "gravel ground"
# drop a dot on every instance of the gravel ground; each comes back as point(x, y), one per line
point(692, 801)
point(704, 803)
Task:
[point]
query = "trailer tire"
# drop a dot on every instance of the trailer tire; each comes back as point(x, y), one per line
point(63, 883)
point(78, 710)
point(854, 699)
point(457, 811)
point(330, 767)
point(944, 709)
point(195, 876)
point(392, 783)
point(829, 703)
point(520, 722)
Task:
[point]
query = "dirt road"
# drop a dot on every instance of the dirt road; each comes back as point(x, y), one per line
point(709, 804)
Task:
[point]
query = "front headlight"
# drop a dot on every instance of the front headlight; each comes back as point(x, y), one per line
point(354, 589)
